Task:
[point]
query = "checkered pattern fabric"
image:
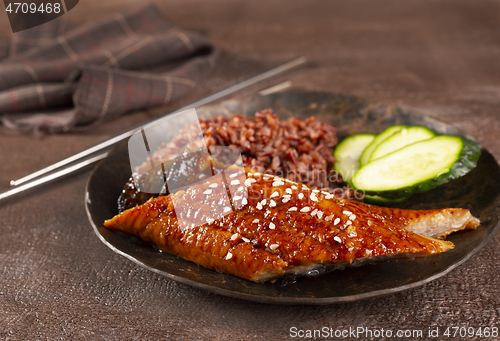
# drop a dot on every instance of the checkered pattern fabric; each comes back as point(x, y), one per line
point(58, 77)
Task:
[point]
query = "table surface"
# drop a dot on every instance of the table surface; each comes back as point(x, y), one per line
point(439, 58)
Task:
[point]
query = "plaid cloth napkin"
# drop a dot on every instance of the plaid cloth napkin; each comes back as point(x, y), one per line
point(58, 77)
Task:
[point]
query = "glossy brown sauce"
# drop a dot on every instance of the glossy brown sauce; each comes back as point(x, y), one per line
point(257, 226)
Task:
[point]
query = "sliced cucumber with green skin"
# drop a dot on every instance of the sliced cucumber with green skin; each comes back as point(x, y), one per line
point(348, 152)
point(401, 139)
point(347, 155)
point(367, 154)
point(418, 167)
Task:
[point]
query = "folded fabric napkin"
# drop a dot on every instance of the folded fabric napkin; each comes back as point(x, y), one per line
point(58, 77)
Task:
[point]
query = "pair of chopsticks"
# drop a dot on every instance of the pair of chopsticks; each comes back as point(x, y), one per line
point(87, 157)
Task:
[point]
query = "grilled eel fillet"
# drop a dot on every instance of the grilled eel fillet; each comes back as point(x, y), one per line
point(275, 226)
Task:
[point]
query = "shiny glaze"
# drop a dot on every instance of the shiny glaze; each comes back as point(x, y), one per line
point(258, 234)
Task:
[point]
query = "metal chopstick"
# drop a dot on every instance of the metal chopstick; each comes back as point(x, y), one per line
point(51, 176)
point(218, 95)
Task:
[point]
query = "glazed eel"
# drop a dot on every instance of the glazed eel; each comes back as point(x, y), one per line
point(259, 226)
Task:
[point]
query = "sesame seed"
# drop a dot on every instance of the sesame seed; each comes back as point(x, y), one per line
point(233, 175)
point(248, 183)
point(329, 196)
point(352, 231)
point(330, 217)
point(246, 240)
point(275, 194)
point(320, 214)
point(213, 185)
point(348, 222)
point(337, 239)
point(255, 221)
point(238, 197)
point(313, 197)
point(263, 202)
point(257, 174)
point(347, 212)
point(259, 206)
point(294, 187)
point(352, 217)
point(234, 236)
point(235, 182)
point(292, 209)
point(288, 190)
point(272, 226)
point(313, 213)
point(272, 203)
point(208, 191)
point(285, 200)
point(210, 220)
point(227, 209)
point(305, 209)
point(273, 246)
point(278, 183)
point(287, 196)
point(229, 256)
point(337, 220)
point(301, 195)
point(315, 191)
point(244, 201)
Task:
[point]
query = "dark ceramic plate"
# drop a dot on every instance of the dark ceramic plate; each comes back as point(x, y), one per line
point(478, 191)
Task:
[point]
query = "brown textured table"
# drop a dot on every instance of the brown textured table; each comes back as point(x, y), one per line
point(440, 58)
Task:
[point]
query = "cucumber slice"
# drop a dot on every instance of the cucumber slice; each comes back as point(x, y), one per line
point(348, 152)
point(401, 139)
point(367, 154)
point(347, 155)
point(418, 167)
